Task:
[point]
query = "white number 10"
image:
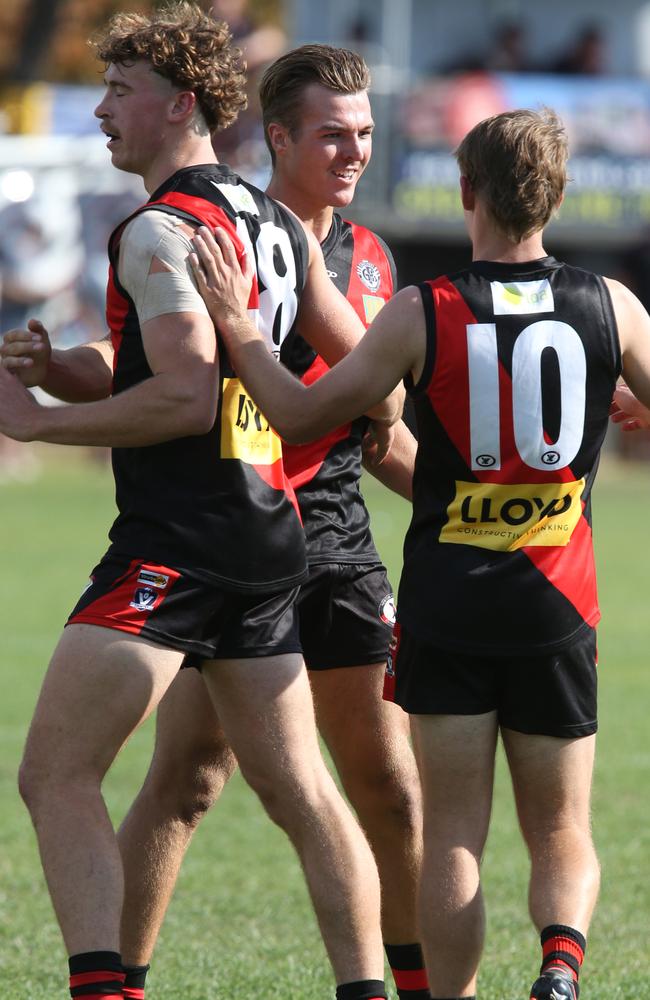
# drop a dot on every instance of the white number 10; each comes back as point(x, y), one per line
point(485, 424)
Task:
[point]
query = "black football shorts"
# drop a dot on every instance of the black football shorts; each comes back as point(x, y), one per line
point(346, 615)
point(551, 694)
point(179, 611)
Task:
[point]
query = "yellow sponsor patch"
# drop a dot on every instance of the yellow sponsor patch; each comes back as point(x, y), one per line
point(371, 306)
point(245, 432)
point(505, 518)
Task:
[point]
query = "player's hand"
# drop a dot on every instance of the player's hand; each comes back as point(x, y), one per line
point(377, 442)
point(224, 284)
point(27, 353)
point(18, 409)
point(627, 411)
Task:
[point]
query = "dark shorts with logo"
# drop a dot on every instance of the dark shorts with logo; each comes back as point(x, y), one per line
point(553, 694)
point(346, 614)
point(179, 611)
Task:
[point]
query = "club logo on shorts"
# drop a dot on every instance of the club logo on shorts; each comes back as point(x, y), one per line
point(152, 579)
point(144, 599)
point(369, 274)
point(387, 610)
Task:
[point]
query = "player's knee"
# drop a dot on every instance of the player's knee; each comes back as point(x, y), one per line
point(392, 795)
point(191, 788)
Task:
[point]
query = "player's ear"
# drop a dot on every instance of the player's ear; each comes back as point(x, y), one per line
point(183, 105)
point(466, 194)
point(278, 137)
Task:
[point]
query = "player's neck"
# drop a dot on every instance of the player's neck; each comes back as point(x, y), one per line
point(494, 247)
point(314, 216)
point(177, 158)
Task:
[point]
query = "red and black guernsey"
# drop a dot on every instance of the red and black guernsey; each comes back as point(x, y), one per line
point(325, 473)
point(217, 505)
point(512, 409)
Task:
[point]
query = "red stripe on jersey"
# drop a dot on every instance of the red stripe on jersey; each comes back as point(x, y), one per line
point(274, 475)
point(303, 461)
point(571, 570)
point(410, 979)
point(367, 248)
point(131, 601)
point(212, 216)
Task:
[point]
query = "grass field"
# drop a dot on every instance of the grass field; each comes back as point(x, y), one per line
point(240, 926)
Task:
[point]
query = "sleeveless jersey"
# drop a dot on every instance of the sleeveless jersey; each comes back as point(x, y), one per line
point(512, 409)
point(325, 473)
point(217, 505)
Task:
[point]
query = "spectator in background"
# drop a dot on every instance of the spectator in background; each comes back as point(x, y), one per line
point(586, 55)
point(508, 51)
point(242, 146)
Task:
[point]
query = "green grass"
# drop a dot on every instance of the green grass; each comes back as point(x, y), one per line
point(240, 925)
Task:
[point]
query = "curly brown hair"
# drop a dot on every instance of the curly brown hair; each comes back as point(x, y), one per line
point(186, 46)
point(516, 161)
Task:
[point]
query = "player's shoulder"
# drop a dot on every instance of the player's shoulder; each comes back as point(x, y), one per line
point(146, 230)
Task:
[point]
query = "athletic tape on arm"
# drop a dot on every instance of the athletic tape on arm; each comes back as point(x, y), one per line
point(157, 234)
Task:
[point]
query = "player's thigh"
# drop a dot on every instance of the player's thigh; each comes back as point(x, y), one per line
point(367, 736)
point(189, 735)
point(551, 778)
point(455, 755)
point(267, 713)
point(100, 685)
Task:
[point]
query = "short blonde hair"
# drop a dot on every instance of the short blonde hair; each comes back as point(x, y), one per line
point(516, 161)
point(191, 49)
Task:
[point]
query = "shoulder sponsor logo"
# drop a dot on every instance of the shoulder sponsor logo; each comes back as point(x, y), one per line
point(369, 274)
point(521, 298)
point(387, 611)
point(332, 274)
point(245, 432)
point(238, 197)
point(144, 599)
point(152, 579)
point(506, 518)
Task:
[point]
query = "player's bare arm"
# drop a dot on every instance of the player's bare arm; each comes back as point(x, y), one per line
point(77, 375)
point(396, 470)
point(627, 411)
point(328, 322)
point(634, 336)
point(393, 345)
point(180, 397)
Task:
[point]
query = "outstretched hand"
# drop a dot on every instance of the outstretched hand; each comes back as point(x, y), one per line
point(224, 284)
point(628, 411)
point(27, 353)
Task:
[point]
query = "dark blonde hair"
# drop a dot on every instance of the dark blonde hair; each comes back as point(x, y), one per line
point(516, 162)
point(186, 46)
point(284, 81)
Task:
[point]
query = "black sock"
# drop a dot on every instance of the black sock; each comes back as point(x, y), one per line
point(407, 965)
point(563, 947)
point(96, 975)
point(364, 989)
point(134, 981)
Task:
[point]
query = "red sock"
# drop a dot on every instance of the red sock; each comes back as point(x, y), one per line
point(96, 975)
point(562, 947)
point(407, 965)
point(134, 981)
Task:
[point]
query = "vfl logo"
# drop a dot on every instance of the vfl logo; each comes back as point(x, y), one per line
point(143, 599)
point(369, 274)
point(387, 610)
